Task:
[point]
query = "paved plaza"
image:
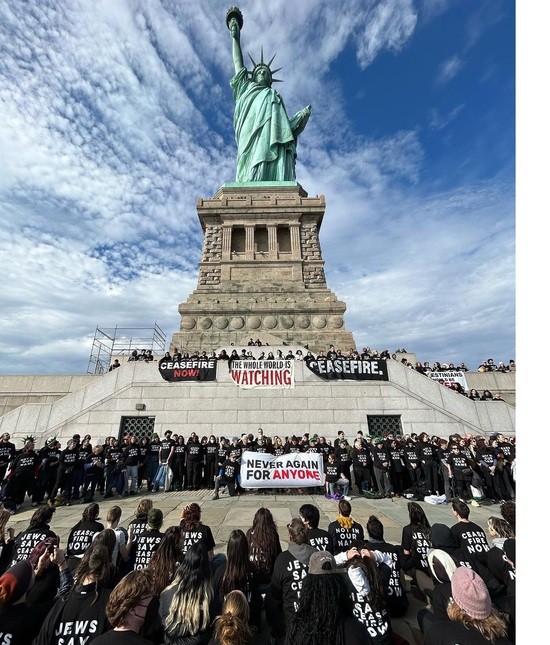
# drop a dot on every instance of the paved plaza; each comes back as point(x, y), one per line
point(230, 513)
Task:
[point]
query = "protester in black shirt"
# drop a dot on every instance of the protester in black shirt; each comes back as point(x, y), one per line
point(152, 461)
point(195, 459)
point(318, 538)
point(228, 476)
point(19, 622)
point(85, 604)
point(126, 610)
point(211, 459)
point(132, 456)
point(82, 534)
point(145, 543)
point(265, 546)
point(24, 470)
point(37, 531)
point(427, 455)
point(344, 530)
point(7, 453)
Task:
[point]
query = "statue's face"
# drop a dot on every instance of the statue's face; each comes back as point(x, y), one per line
point(262, 76)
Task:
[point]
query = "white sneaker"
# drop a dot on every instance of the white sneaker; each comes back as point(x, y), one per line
point(347, 498)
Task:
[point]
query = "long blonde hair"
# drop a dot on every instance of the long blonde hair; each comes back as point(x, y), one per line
point(192, 591)
point(491, 628)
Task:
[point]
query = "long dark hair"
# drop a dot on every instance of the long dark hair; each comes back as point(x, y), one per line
point(166, 559)
point(419, 520)
point(377, 593)
point(191, 592)
point(91, 513)
point(95, 564)
point(263, 542)
point(238, 568)
point(318, 619)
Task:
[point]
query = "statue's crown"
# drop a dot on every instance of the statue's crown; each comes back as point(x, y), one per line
point(266, 65)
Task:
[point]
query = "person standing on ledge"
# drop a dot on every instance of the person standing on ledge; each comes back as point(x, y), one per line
point(266, 138)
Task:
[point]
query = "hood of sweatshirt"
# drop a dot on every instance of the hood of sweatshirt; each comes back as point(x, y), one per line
point(301, 552)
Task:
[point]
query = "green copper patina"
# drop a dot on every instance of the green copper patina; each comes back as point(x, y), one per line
point(266, 137)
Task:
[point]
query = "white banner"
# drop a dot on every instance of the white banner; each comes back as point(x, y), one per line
point(295, 470)
point(446, 378)
point(266, 373)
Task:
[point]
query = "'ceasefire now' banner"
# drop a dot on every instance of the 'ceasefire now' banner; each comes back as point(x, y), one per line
point(296, 470)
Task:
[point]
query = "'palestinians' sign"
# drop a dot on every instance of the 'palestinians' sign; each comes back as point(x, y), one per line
point(350, 369)
point(266, 373)
point(296, 470)
point(448, 378)
point(188, 369)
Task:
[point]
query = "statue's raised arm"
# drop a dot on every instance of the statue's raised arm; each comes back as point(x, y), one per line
point(266, 137)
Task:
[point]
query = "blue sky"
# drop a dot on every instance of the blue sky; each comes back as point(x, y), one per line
point(116, 115)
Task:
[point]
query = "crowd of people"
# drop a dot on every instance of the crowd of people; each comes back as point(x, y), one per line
point(384, 466)
point(342, 584)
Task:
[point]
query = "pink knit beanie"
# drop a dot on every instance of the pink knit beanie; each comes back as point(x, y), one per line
point(470, 593)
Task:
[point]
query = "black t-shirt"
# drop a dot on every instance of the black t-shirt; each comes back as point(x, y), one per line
point(377, 622)
point(7, 452)
point(451, 632)
point(25, 462)
point(165, 448)
point(414, 540)
point(320, 540)
point(81, 537)
point(211, 449)
point(426, 453)
point(332, 472)
point(195, 451)
point(126, 637)
point(472, 540)
point(202, 534)
point(82, 610)
point(360, 458)
point(342, 538)
point(139, 524)
point(19, 624)
point(132, 454)
point(143, 547)
point(26, 541)
point(230, 470)
point(154, 449)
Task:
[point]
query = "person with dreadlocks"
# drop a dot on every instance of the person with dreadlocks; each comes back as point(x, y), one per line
point(324, 613)
point(85, 603)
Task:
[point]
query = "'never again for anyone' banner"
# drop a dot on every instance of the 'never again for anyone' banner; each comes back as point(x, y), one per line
point(349, 369)
point(296, 470)
point(198, 369)
point(266, 373)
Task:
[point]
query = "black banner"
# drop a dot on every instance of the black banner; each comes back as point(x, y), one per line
point(197, 369)
point(349, 369)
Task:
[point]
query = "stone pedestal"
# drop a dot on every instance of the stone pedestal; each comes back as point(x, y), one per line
point(262, 273)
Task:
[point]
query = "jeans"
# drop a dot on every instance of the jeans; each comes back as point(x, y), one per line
point(132, 473)
point(344, 483)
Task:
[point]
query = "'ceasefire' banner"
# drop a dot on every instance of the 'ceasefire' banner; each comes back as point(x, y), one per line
point(265, 373)
point(296, 470)
point(195, 369)
point(349, 369)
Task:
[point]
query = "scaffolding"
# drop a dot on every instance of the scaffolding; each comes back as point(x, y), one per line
point(116, 341)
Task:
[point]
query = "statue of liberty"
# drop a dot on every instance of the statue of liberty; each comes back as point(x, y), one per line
point(266, 138)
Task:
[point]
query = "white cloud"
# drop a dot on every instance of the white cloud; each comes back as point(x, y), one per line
point(449, 69)
point(115, 116)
